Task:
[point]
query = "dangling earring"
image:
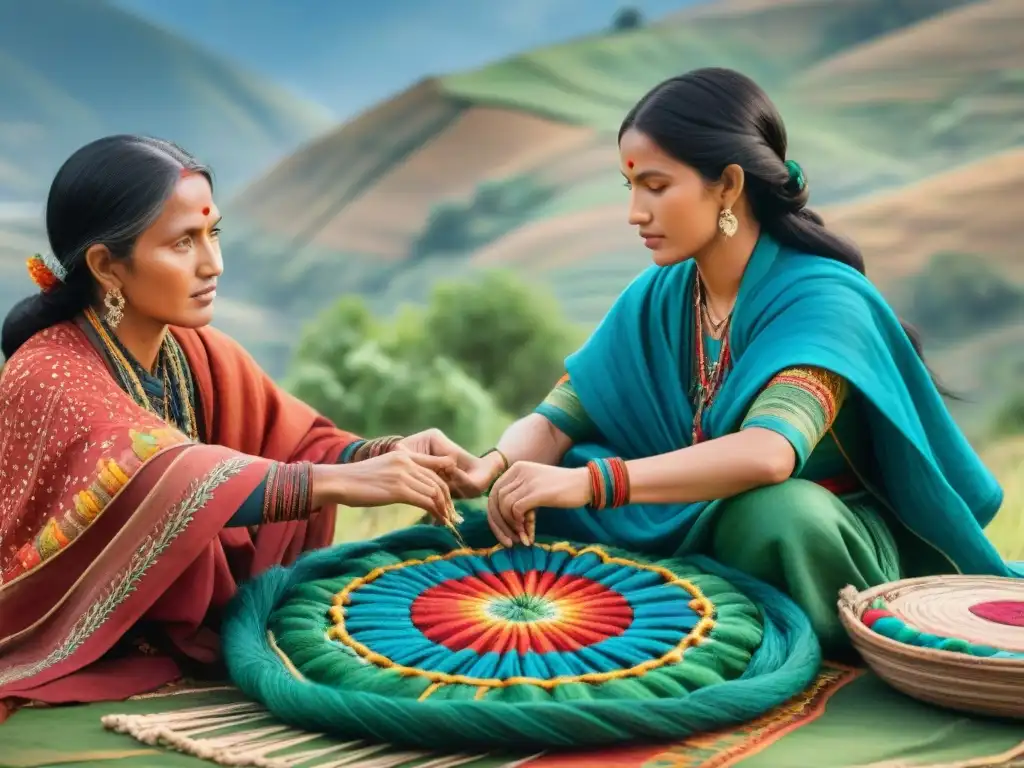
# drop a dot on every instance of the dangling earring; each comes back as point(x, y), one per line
point(114, 302)
point(728, 223)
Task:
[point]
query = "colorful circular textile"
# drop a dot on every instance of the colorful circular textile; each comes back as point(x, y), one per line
point(407, 640)
point(962, 615)
point(546, 616)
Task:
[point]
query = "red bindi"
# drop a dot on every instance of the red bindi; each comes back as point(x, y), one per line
point(206, 211)
point(629, 163)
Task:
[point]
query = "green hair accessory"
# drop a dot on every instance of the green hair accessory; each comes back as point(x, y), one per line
point(796, 174)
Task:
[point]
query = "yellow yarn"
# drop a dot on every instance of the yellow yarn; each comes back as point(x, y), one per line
point(700, 604)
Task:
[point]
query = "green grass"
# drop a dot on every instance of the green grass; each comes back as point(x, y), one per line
point(1006, 460)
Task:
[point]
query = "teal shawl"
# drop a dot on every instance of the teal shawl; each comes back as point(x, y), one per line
point(632, 377)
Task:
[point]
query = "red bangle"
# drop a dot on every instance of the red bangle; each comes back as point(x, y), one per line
point(609, 483)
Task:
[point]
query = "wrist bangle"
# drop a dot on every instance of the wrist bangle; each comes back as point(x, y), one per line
point(371, 449)
point(504, 458)
point(609, 483)
point(504, 468)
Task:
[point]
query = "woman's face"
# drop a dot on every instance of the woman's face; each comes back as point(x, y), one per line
point(172, 276)
point(674, 207)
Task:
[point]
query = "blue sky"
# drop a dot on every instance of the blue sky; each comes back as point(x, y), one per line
point(349, 55)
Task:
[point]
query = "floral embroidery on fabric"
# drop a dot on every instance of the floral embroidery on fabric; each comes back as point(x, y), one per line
point(111, 476)
point(174, 522)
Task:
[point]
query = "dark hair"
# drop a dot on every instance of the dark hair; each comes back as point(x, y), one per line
point(712, 118)
point(108, 192)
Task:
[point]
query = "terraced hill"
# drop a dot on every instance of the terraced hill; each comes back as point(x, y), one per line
point(350, 212)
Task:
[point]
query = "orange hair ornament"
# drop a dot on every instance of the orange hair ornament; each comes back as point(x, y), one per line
point(45, 271)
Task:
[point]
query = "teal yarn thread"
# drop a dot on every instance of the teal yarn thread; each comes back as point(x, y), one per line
point(784, 663)
point(896, 629)
point(796, 175)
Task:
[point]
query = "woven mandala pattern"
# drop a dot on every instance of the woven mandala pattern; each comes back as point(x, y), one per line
point(408, 639)
point(545, 616)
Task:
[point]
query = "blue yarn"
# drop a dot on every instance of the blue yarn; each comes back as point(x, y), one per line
point(785, 663)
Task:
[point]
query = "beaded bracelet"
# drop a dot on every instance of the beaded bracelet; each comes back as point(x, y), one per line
point(504, 469)
point(289, 492)
point(609, 483)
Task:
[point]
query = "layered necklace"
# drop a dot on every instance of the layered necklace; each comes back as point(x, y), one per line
point(168, 391)
point(708, 374)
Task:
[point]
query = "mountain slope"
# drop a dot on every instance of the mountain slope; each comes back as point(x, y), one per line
point(961, 211)
point(953, 82)
point(74, 70)
point(348, 212)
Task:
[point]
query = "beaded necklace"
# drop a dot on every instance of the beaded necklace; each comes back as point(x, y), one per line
point(708, 376)
point(171, 391)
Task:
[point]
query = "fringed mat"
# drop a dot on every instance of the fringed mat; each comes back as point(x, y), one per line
point(245, 734)
point(865, 724)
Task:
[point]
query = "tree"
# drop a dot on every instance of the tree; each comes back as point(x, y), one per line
point(627, 18)
point(375, 379)
point(508, 335)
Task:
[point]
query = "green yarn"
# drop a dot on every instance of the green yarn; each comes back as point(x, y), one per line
point(796, 174)
point(760, 652)
point(523, 609)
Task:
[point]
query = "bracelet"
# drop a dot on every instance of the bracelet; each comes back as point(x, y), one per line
point(504, 458)
point(371, 449)
point(609, 483)
point(289, 492)
point(504, 469)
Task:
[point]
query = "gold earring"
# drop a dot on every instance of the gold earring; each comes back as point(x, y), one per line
point(114, 302)
point(728, 223)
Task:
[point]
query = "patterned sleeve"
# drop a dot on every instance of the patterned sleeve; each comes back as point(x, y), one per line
point(801, 405)
point(562, 407)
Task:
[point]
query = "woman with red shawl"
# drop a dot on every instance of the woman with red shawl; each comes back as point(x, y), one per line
point(147, 464)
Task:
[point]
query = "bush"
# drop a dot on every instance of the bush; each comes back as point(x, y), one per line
point(496, 208)
point(480, 350)
point(1009, 418)
point(957, 295)
point(506, 334)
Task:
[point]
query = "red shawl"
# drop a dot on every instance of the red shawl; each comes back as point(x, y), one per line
point(108, 517)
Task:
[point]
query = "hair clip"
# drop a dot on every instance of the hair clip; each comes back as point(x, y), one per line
point(45, 271)
point(796, 175)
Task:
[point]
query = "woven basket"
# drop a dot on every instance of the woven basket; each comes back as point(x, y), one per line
point(949, 679)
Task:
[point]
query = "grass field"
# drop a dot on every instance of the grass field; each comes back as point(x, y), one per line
point(1005, 458)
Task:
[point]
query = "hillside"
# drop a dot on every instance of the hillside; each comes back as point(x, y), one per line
point(953, 82)
point(350, 211)
point(74, 70)
point(962, 211)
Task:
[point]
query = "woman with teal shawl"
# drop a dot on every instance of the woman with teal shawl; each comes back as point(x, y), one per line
point(751, 396)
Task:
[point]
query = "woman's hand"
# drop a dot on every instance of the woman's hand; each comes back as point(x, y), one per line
point(470, 476)
point(396, 477)
point(525, 487)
